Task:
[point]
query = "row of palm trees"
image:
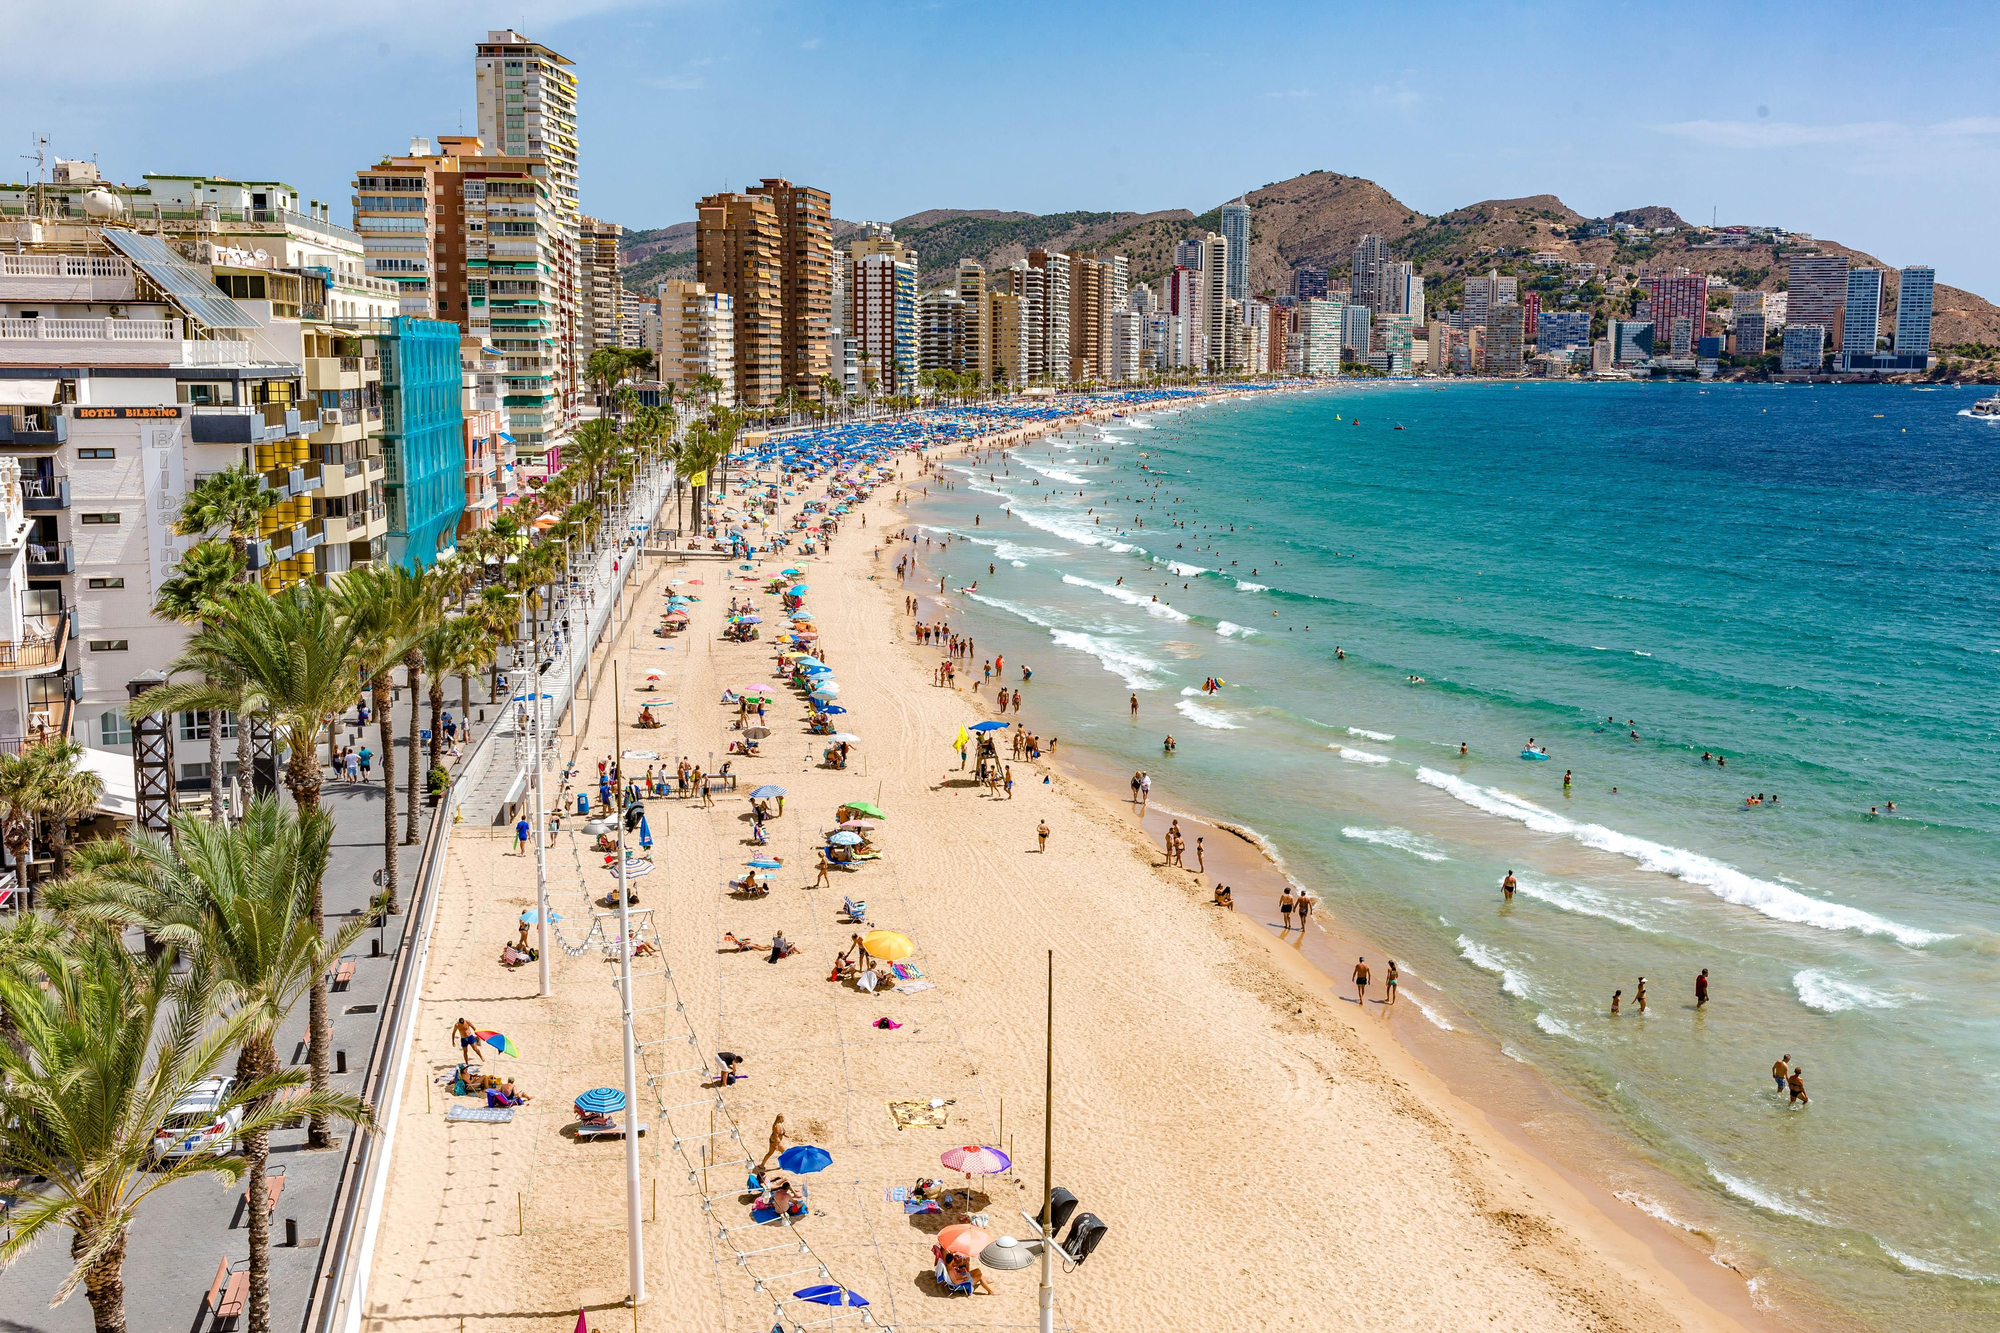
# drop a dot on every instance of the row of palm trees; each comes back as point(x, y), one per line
point(98, 1043)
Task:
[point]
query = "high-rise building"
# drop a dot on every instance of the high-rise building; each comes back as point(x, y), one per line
point(1864, 312)
point(1482, 294)
point(423, 445)
point(1561, 330)
point(1748, 335)
point(1282, 326)
point(1236, 229)
point(1308, 283)
point(1007, 337)
point(738, 254)
point(1804, 348)
point(1395, 339)
point(1746, 302)
point(1531, 309)
point(1505, 325)
point(1365, 272)
point(1215, 302)
point(1816, 293)
point(1319, 336)
point(1128, 344)
point(1055, 268)
point(697, 339)
point(879, 278)
point(601, 298)
point(1631, 341)
point(978, 315)
point(1914, 296)
point(1190, 253)
point(1028, 283)
point(1679, 296)
point(1142, 298)
point(1355, 330)
point(805, 225)
point(1184, 301)
point(942, 336)
point(1394, 277)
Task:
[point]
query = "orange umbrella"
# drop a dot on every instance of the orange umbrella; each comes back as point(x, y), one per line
point(964, 1239)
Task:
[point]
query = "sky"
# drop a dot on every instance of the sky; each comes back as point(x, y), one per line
point(1876, 128)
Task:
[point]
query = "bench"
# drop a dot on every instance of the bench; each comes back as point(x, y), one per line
point(274, 1189)
point(344, 973)
point(584, 1133)
point(230, 1290)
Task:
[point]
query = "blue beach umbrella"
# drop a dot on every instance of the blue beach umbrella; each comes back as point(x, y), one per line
point(989, 726)
point(844, 839)
point(800, 590)
point(533, 918)
point(601, 1100)
point(765, 863)
point(805, 1159)
point(766, 793)
point(831, 708)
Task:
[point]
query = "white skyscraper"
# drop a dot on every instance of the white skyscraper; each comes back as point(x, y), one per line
point(1864, 312)
point(1236, 230)
point(1913, 310)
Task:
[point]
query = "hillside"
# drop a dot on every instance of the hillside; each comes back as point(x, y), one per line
point(1315, 220)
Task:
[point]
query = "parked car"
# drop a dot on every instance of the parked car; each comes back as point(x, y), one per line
point(197, 1124)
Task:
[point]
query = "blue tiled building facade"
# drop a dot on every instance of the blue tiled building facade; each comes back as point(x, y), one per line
point(423, 441)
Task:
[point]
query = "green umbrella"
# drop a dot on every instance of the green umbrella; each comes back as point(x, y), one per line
point(866, 808)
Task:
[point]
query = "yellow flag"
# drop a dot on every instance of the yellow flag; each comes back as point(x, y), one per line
point(962, 741)
point(698, 479)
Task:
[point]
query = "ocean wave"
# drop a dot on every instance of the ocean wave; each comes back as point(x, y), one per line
point(1244, 585)
point(1011, 609)
point(1437, 1019)
point(1371, 735)
point(1724, 881)
point(1130, 667)
point(1822, 990)
point(1486, 960)
point(1400, 838)
point(1750, 1192)
point(1514, 1055)
point(1054, 473)
point(1584, 902)
point(1130, 598)
point(1001, 547)
point(1655, 1211)
point(1206, 717)
point(1359, 756)
point(1230, 631)
point(1071, 532)
point(1185, 571)
point(1554, 1026)
point(1935, 1269)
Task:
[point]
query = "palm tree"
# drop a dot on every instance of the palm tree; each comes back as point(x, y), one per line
point(230, 501)
point(206, 573)
point(21, 807)
point(453, 645)
point(298, 658)
point(69, 791)
point(386, 604)
point(104, 1045)
point(424, 610)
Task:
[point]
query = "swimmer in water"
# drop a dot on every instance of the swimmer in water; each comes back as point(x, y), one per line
point(1565, 779)
point(1461, 748)
point(1507, 886)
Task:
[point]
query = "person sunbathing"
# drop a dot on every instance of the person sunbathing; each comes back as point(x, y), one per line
point(513, 957)
point(781, 948)
point(1223, 896)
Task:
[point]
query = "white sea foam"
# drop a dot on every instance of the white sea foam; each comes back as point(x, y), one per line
point(1931, 1266)
point(1433, 1015)
point(1359, 756)
point(1001, 547)
point(1750, 1192)
point(1655, 1211)
point(1515, 1055)
point(1130, 598)
point(1185, 571)
point(1206, 717)
point(1554, 1026)
point(1231, 631)
point(1371, 735)
point(1011, 609)
point(1244, 585)
point(1130, 667)
point(1821, 989)
point(1400, 838)
point(1055, 473)
point(1486, 960)
point(1059, 526)
point(1582, 901)
point(1724, 881)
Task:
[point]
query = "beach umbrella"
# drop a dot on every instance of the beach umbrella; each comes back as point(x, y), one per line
point(533, 918)
point(756, 733)
point(964, 1240)
point(766, 793)
point(861, 824)
point(845, 738)
point(989, 726)
point(805, 1159)
point(831, 709)
point(602, 1100)
point(656, 675)
point(799, 590)
point(791, 573)
point(976, 1161)
point(501, 1042)
point(828, 1294)
point(826, 689)
point(844, 839)
point(887, 944)
point(765, 863)
point(866, 808)
point(749, 620)
point(641, 755)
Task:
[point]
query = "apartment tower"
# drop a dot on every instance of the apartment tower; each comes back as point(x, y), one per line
point(1236, 227)
point(1055, 269)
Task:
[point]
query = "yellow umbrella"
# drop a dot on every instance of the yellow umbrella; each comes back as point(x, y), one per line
point(887, 944)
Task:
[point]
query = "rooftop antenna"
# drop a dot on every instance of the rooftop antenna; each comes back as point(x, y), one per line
point(40, 158)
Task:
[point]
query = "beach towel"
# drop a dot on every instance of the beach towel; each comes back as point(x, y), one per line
point(481, 1115)
point(896, 1193)
point(912, 1207)
point(918, 1115)
point(912, 987)
point(905, 971)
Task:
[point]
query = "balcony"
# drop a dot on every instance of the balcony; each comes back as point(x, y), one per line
point(55, 558)
point(247, 425)
point(65, 278)
point(45, 342)
point(44, 637)
point(44, 494)
point(296, 539)
point(29, 437)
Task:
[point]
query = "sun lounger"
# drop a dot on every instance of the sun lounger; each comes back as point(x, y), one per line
point(584, 1132)
point(230, 1290)
point(950, 1288)
point(480, 1115)
point(856, 912)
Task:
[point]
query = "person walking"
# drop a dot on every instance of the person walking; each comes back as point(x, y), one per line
point(1389, 982)
point(521, 831)
point(1701, 989)
point(1361, 982)
point(1285, 904)
point(1795, 1085)
point(1200, 865)
point(1640, 997)
point(1135, 707)
point(1042, 836)
point(1305, 905)
point(1781, 1070)
point(367, 762)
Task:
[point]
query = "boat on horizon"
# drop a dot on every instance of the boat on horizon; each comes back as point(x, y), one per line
point(1987, 408)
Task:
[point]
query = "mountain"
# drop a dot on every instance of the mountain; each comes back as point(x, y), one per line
point(1314, 221)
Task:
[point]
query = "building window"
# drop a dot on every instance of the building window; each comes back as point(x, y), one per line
point(108, 646)
point(193, 726)
point(108, 583)
point(97, 453)
point(99, 520)
point(113, 731)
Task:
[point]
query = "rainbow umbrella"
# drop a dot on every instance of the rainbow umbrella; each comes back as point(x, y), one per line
point(500, 1042)
point(976, 1161)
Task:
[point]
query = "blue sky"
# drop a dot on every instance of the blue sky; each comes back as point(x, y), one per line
point(1880, 132)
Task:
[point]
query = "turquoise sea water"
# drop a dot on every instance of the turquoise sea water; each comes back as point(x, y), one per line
point(1800, 580)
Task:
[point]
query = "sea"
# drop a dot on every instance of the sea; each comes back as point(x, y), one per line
point(1354, 608)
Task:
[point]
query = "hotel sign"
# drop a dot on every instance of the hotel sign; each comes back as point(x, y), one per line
point(126, 413)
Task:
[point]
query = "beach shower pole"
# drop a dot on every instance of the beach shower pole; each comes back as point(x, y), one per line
point(1048, 1291)
point(635, 1250)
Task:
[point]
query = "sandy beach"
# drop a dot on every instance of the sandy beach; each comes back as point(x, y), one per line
point(1261, 1150)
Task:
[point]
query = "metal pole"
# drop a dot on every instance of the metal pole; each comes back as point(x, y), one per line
point(634, 1241)
point(1048, 1290)
point(541, 833)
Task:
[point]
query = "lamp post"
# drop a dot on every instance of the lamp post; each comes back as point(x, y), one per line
point(634, 1239)
point(541, 833)
point(1047, 1294)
